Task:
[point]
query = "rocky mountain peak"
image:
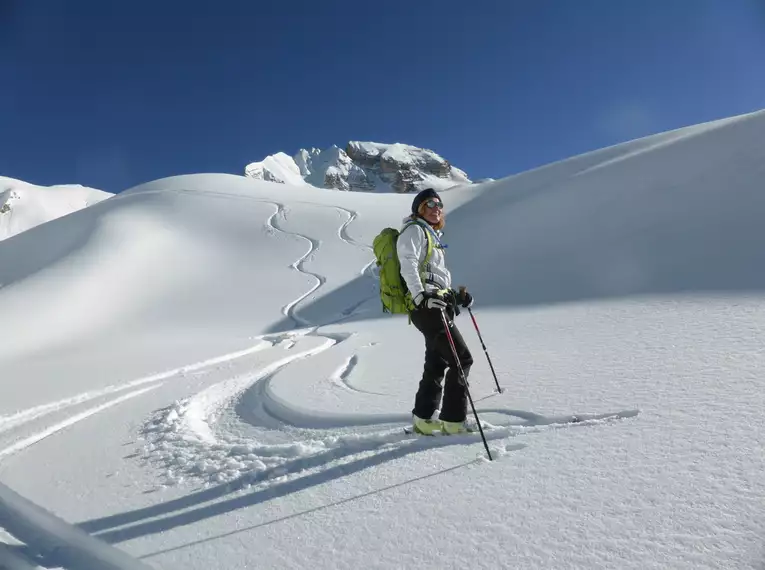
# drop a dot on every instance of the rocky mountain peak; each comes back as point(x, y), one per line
point(361, 166)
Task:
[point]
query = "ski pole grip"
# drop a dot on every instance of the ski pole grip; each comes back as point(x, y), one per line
point(463, 289)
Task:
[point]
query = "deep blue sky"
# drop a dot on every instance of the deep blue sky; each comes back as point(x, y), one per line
point(110, 94)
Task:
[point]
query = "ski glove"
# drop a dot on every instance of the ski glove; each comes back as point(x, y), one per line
point(428, 300)
point(464, 299)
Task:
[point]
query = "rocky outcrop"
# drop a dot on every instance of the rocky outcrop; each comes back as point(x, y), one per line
point(362, 167)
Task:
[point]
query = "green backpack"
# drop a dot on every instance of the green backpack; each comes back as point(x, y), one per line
point(394, 293)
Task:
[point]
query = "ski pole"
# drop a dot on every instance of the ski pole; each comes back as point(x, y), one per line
point(464, 380)
point(485, 351)
point(463, 289)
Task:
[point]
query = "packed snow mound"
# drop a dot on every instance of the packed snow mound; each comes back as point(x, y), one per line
point(24, 206)
point(361, 166)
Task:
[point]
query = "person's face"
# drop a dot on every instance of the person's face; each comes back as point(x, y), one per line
point(434, 211)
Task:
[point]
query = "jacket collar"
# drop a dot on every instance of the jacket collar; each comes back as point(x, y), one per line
point(423, 222)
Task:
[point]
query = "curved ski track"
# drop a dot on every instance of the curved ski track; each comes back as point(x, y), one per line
point(242, 428)
point(341, 377)
point(11, 425)
point(239, 427)
point(289, 310)
point(15, 428)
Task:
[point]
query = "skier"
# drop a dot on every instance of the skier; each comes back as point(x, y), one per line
point(423, 268)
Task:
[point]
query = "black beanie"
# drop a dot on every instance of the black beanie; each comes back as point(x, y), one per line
point(423, 196)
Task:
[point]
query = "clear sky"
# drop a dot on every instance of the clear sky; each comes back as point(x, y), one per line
point(111, 94)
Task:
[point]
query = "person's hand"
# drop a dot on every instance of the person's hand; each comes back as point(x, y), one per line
point(464, 298)
point(429, 300)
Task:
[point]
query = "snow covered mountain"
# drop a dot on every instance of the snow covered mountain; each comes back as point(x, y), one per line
point(197, 373)
point(24, 206)
point(361, 166)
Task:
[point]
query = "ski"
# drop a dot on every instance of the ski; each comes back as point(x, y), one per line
point(409, 430)
point(537, 420)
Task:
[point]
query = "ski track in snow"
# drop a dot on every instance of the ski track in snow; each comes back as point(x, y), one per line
point(289, 310)
point(341, 377)
point(192, 440)
point(241, 430)
point(205, 437)
point(208, 402)
point(16, 421)
point(342, 233)
point(23, 418)
point(71, 420)
point(187, 437)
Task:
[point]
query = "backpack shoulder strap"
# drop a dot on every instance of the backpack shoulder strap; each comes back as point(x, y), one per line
point(430, 246)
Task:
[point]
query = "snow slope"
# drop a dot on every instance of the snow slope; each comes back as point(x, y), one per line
point(24, 206)
point(199, 373)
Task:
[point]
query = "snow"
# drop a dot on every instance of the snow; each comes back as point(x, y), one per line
point(461, 176)
point(279, 167)
point(371, 149)
point(400, 153)
point(378, 169)
point(24, 206)
point(12, 556)
point(57, 541)
point(199, 373)
point(304, 159)
point(331, 161)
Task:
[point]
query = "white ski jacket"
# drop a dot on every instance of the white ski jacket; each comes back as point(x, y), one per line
point(412, 246)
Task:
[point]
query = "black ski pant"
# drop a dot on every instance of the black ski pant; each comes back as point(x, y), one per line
point(439, 357)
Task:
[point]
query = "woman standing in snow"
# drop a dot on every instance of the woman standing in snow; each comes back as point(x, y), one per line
point(423, 268)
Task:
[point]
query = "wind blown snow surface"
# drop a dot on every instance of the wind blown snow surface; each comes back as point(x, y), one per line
point(197, 371)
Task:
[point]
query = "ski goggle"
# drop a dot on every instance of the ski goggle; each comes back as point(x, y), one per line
point(434, 204)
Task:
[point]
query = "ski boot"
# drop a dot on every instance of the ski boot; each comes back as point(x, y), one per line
point(457, 428)
point(425, 427)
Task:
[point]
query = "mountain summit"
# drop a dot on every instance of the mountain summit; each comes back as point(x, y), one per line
point(361, 166)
